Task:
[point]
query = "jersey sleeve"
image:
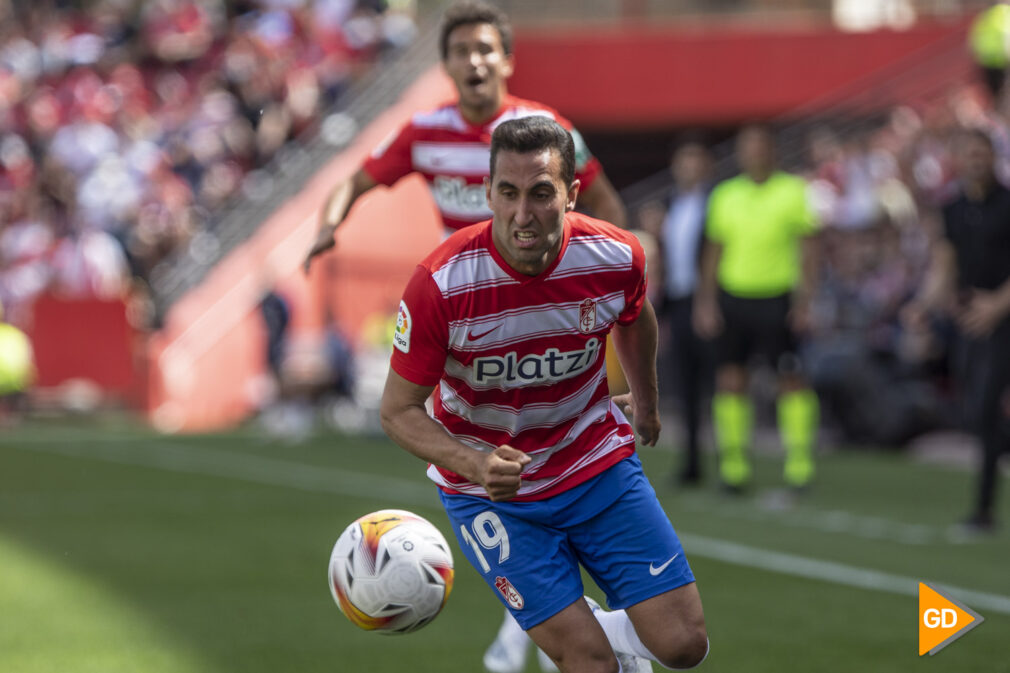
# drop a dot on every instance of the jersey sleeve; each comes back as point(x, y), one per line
point(634, 293)
point(391, 159)
point(587, 167)
point(421, 337)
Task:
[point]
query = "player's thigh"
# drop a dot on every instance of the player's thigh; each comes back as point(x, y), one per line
point(530, 567)
point(672, 626)
point(631, 549)
point(575, 640)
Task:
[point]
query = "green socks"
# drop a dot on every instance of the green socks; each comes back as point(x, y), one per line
point(798, 413)
point(798, 417)
point(733, 417)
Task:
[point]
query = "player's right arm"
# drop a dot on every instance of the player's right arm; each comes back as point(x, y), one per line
point(339, 202)
point(407, 423)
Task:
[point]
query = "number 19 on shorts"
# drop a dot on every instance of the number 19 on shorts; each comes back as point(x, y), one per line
point(488, 533)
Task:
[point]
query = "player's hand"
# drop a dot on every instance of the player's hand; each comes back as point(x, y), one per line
point(500, 472)
point(706, 318)
point(914, 317)
point(801, 317)
point(982, 313)
point(646, 421)
point(324, 241)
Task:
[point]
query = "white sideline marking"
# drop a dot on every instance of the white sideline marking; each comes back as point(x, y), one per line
point(825, 521)
point(304, 477)
point(829, 571)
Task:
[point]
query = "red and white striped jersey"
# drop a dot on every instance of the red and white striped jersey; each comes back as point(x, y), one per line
point(454, 157)
point(520, 360)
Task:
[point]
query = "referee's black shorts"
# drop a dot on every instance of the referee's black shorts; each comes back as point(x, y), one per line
point(756, 327)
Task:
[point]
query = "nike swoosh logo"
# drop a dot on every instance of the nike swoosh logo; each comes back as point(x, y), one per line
point(473, 337)
point(655, 571)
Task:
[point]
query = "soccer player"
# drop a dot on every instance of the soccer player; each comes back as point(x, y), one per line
point(757, 276)
point(535, 463)
point(449, 145)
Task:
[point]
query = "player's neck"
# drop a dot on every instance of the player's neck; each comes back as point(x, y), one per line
point(484, 112)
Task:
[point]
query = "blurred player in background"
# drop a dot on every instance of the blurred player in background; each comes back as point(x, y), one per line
point(535, 462)
point(969, 279)
point(449, 146)
point(758, 274)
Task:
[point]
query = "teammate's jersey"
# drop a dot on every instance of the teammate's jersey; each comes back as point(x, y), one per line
point(519, 360)
point(454, 157)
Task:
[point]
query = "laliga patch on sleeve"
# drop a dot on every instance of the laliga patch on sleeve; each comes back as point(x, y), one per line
point(401, 335)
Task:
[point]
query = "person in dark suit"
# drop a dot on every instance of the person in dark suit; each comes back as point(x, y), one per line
point(969, 281)
point(680, 234)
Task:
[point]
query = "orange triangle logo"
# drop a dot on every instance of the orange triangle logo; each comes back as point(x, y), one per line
point(942, 620)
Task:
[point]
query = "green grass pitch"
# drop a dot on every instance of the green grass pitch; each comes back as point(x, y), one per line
point(125, 551)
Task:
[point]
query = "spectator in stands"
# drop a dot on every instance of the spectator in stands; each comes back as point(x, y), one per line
point(476, 51)
point(757, 281)
point(969, 280)
point(130, 122)
point(680, 234)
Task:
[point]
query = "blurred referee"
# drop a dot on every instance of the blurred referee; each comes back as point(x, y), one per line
point(757, 277)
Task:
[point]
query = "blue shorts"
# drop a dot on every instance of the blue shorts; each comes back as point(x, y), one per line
point(529, 552)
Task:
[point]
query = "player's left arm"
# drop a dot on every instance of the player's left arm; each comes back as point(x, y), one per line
point(636, 345)
point(602, 200)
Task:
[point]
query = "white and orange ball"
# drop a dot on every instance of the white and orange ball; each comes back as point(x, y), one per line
point(391, 571)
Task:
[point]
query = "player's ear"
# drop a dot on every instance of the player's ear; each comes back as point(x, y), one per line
point(487, 189)
point(573, 194)
point(508, 66)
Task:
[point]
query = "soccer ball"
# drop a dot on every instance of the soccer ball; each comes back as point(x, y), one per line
point(391, 572)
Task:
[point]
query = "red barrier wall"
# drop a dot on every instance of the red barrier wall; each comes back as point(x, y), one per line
point(88, 339)
point(662, 75)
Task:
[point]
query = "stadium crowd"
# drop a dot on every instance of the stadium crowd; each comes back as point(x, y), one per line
point(880, 191)
point(124, 125)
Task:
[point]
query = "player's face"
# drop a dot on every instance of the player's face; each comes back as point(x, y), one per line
point(529, 199)
point(479, 67)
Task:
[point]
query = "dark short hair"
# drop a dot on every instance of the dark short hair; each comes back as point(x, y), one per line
point(535, 134)
point(467, 12)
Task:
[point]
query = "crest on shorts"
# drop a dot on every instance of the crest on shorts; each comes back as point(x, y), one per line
point(512, 596)
point(587, 316)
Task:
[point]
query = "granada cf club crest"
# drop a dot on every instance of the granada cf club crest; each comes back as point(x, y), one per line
point(587, 316)
point(512, 597)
